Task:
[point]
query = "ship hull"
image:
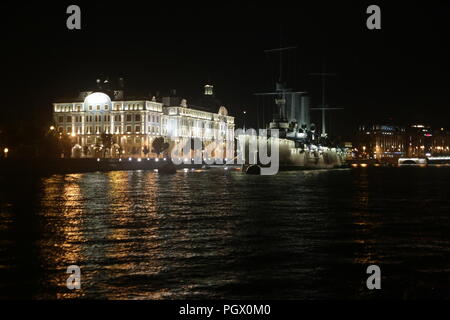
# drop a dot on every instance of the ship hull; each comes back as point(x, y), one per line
point(309, 157)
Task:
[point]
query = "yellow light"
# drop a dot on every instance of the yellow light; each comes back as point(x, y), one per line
point(73, 134)
point(363, 165)
point(52, 128)
point(6, 150)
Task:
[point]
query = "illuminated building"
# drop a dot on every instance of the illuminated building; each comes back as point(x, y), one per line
point(423, 141)
point(135, 123)
point(389, 141)
point(380, 141)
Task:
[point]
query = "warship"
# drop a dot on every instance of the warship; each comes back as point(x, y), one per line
point(301, 145)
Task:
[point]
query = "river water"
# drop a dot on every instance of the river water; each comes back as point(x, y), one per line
point(221, 234)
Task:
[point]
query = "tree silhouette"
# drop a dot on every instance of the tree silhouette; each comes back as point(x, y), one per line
point(159, 145)
point(145, 150)
point(66, 145)
point(107, 141)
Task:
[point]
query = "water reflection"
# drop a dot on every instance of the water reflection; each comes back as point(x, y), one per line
point(364, 222)
point(140, 235)
point(61, 244)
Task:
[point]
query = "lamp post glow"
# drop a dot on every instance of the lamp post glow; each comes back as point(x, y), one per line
point(52, 128)
point(5, 151)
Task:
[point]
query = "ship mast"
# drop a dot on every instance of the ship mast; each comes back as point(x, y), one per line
point(280, 91)
point(323, 107)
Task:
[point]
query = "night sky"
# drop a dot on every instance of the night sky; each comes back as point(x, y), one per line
point(398, 74)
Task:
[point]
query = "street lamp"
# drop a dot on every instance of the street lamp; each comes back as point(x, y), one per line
point(5, 151)
point(52, 128)
point(245, 113)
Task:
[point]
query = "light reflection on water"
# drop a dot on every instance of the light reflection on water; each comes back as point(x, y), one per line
point(304, 235)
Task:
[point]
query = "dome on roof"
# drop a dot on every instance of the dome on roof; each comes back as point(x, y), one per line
point(97, 98)
point(223, 111)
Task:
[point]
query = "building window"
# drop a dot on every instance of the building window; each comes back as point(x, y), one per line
point(128, 117)
point(128, 129)
point(69, 119)
point(106, 107)
point(98, 107)
point(90, 107)
point(138, 129)
point(137, 117)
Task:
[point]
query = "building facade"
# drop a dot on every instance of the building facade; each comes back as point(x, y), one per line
point(424, 141)
point(390, 141)
point(380, 141)
point(133, 124)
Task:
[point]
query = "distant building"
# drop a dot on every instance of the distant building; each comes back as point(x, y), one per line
point(380, 141)
point(390, 141)
point(135, 122)
point(423, 141)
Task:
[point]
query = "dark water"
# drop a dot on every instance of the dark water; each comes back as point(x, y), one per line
point(297, 235)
